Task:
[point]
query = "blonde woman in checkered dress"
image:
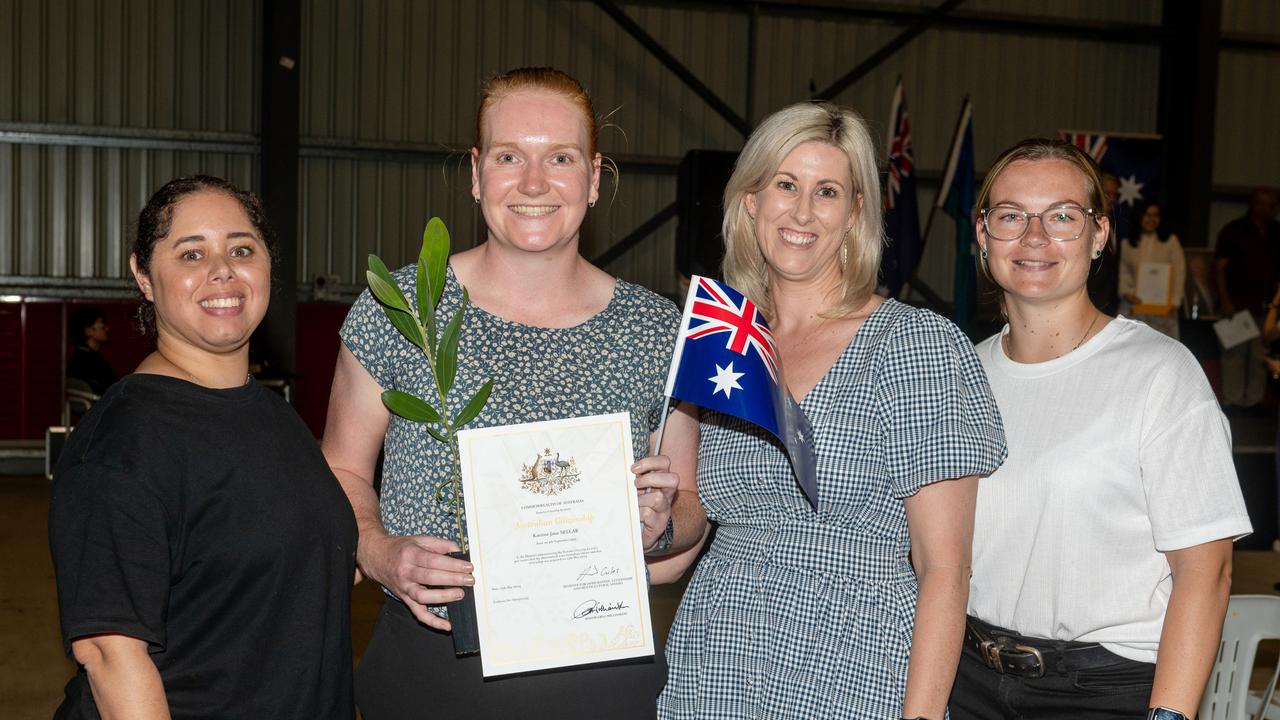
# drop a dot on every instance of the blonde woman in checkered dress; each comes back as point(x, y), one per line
point(797, 613)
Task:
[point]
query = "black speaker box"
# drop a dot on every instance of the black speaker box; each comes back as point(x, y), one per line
point(699, 193)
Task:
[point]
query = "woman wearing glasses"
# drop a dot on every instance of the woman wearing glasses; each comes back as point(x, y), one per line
point(1102, 546)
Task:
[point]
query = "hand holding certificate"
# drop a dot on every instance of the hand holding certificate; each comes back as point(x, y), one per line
point(556, 543)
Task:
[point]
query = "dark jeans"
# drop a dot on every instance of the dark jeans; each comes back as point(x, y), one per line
point(1115, 692)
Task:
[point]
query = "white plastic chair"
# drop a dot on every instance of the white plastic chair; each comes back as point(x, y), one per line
point(1250, 619)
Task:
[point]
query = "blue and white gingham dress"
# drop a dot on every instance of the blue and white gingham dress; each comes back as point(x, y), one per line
point(801, 614)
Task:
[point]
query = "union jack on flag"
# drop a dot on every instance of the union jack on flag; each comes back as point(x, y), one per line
point(713, 312)
point(725, 359)
point(1095, 145)
point(901, 158)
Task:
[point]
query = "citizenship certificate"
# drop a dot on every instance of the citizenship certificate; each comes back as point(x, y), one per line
point(554, 534)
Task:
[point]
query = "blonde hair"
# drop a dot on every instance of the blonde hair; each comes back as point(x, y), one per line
point(744, 266)
point(546, 79)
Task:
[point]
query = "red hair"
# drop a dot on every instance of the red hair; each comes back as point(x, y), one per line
point(545, 79)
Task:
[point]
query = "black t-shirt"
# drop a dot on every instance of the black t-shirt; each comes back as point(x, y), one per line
point(207, 523)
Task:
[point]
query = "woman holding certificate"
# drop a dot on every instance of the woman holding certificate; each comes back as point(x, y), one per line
point(856, 609)
point(560, 339)
point(1102, 554)
point(1152, 261)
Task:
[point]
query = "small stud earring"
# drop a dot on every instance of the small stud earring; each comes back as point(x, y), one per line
point(591, 204)
point(984, 253)
point(1097, 253)
point(476, 198)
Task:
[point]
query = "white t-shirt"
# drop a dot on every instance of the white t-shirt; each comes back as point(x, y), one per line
point(1118, 452)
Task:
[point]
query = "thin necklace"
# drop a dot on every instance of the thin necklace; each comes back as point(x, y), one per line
point(1008, 343)
point(1086, 330)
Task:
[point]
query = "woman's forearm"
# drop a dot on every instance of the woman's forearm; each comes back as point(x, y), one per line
point(124, 680)
point(1192, 631)
point(936, 641)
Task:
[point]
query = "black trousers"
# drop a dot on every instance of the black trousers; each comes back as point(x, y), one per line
point(1120, 691)
point(410, 671)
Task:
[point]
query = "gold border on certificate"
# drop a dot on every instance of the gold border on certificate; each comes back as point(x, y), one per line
point(554, 532)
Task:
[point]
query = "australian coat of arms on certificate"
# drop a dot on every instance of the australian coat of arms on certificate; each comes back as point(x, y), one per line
point(548, 474)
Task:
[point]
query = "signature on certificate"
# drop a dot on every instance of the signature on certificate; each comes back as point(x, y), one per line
point(599, 571)
point(592, 607)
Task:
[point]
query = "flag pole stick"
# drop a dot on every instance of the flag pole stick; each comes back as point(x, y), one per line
point(662, 427)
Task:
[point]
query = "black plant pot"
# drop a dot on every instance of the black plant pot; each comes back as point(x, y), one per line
point(462, 615)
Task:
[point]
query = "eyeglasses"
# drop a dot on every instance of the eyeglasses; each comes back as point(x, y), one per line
point(1063, 223)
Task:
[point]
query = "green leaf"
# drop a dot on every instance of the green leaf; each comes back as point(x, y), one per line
point(474, 405)
point(436, 434)
point(407, 326)
point(384, 287)
point(426, 312)
point(447, 352)
point(410, 407)
point(435, 255)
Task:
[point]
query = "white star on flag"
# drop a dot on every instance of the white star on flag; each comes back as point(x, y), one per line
point(1130, 190)
point(726, 380)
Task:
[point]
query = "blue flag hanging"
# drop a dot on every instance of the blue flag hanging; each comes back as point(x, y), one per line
point(725, 360)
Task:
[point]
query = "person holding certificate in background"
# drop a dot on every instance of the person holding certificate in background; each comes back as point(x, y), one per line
point(560, 339)
point(797, 612)
point(1153, 271)
point(1102, 550)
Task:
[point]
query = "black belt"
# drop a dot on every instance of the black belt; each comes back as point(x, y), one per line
point(1011, 654)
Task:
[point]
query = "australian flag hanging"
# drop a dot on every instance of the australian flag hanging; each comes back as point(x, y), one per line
point(725, 360)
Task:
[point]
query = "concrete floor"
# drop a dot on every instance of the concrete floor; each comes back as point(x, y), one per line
point(33, 669)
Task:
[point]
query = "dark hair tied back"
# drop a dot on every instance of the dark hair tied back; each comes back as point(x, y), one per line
point(156, 220)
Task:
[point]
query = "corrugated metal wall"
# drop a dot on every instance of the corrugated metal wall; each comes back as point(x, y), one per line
point(389, 90)
point(84, 86)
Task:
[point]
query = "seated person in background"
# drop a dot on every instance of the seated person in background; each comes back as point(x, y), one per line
point(88, 330)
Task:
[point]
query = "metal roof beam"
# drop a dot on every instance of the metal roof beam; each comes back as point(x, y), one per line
point(925, 21)
point(647, 41)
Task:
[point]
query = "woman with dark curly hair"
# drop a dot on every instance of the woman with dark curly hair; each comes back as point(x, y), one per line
point(203, 551)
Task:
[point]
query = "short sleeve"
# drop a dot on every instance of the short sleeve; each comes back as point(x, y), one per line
point(1188, 474)
point(370, 336)
point(109, 535)
point(939, 418)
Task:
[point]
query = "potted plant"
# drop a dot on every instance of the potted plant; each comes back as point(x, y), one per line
point(420, 325)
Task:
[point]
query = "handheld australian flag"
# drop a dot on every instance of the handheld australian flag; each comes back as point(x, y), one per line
point(725, 360)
